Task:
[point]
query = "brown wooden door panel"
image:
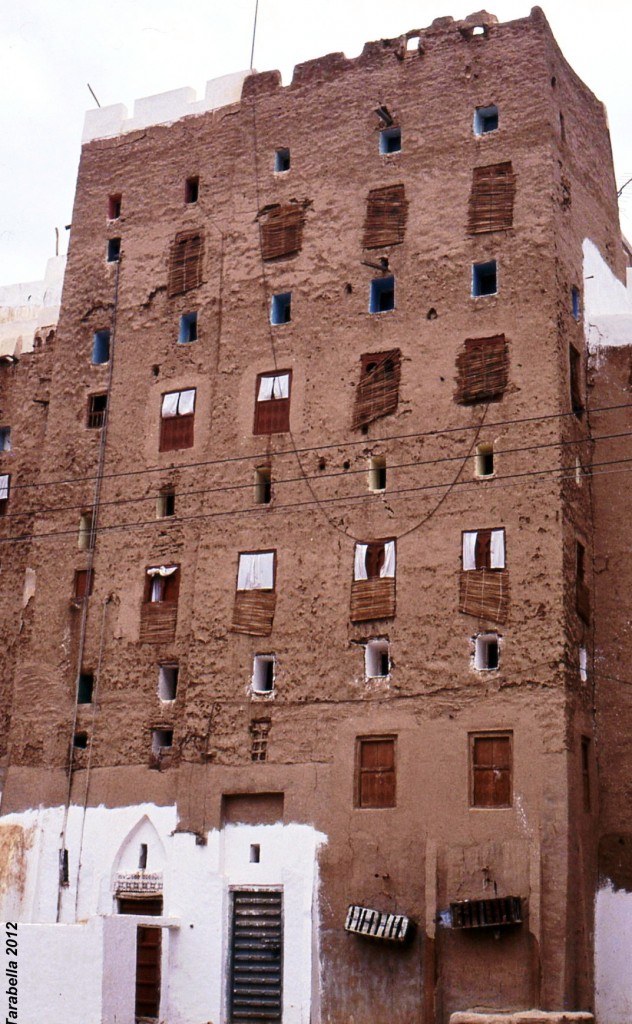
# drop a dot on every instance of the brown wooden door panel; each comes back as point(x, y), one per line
point(148, 954)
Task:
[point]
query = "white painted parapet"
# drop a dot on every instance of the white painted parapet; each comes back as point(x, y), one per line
point(607, 302)
point(164, 108)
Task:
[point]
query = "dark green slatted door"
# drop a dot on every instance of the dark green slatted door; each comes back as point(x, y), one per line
point(256, 956)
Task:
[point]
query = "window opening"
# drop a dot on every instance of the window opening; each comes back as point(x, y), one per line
point(484, 279)
point(84, 579)
point(256, 570)
point(147, 906)
point(64, 874)
point(259, 731)
point(142, 857)
point(282, 161)
point(168, 681)
point(263, 485)
point(585, 755)
point(5, 439)
point(583, 664)
point(377, 473)
point(412, 43)
point(161, 739)
point(100, 347)
point(491, 766)
point(185, 262)
point(114, 250)
point(575, 302)
point(97, 407)
point(188, 328)
point(485, 120)
point(148, 959)
point(491, 199)
point(114, 207)
point(484, 549)
point(85, 688)
point(263, 673)
point(192, 189)
point(579, 471)
point(478, 30)
point(166, 504)
point(575, 360)
point(86, 539)
point(272, 403)
point(5, 482)
point(486, 652)
point(382, 295)
point(80, 740)
point(485, 460)
point(390, 140)
point(374, 560)
point(162, 584)
point(375, 771)
point(377, 661)
point(386, 215)
point(177, 414)
point(281, 308)
point(255, 853)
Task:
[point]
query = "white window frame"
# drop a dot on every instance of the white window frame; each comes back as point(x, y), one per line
point(256, 570)
point(497, 558)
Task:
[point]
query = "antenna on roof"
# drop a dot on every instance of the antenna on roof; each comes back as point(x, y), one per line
point(254, 33)
point(93, 94)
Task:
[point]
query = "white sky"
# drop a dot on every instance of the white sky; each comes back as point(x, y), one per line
point(126, 49)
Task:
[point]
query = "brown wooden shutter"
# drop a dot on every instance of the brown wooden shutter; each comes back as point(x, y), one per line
point(376, 772)
point(484, 593)
point(491, 770)
point(491, 199)
point(256, 956)
point(176, 432)
point(272, 416)
point(148, 955)
point(372, 599)
point(185, 262)
point(84, 580)
point(253, 612)
point(386, 214)
point(377, 393)
point(282, 230)
point(482, 370)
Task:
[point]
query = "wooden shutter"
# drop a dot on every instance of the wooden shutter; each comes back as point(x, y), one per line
point(282, 230)
point(491, 771)
point(176, 432)
point(148, 950)
point(158, 622)
point(484, 593)
point(377, 393)
point(84, 579)
point(482, 370)
point(376, 772)
point(253, 612)
point(256, 956)
point(386, 213)
point(372, 599)
point(491, 199)
point(272, 416)
point(185, 262)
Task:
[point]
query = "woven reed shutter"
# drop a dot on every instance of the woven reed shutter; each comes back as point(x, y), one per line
point(482, 369)
point(282, 231)
point(491, 199)
point(377, 394)
point(386, 213)
point(185, 262)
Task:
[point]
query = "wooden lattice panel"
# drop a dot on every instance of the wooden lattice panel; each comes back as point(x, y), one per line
point(482, 369)
point(158, 622)
point(377, 393)
point(373, 599)
point(185, 262)
point(253, 612)
point(282, 231)
point(491, 199)
point(386, 214)
point(484, 593)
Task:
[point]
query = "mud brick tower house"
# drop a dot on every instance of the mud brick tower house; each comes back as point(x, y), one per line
point(297, 598)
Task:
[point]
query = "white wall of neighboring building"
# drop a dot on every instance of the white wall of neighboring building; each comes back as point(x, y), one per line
point(27, 307)
point(89, 957)
point(607, 302)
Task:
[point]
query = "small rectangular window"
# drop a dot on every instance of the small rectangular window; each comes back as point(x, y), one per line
point(259, 733)
point(390, 140)
point(575, 363)
point(375, 771)
point(114, 207)
point(86, 538)
point(168, 681)
point(374, 560)
point(5, 439)
point(114, 250)
point(100, 347)
point(486, 652)
point(192, 189)
point(166, 503)
point(575, 303)
point(263, 485)
point(162, 584)
point(583, 664)
point(485, 120)
point(84, 580)
point(484, 279)
point(282, 161)
point(377, 473)
point(582, 593)
point(256, 570)
point(80, 740)
point(382, 295)
point(491, 770)
point(177, 415)
point(188, 328)
point(585, 755)
point(5, 486)
point(483, 549)
point(281, 308)
point(485, 460)
point(97, 408)
point(263, 673)
point(377, 662)
point(85, 688)
point(161, 740)
point(272, 403)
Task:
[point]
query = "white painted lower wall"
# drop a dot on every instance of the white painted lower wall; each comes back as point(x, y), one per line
point(82, 970)
point(613, 942)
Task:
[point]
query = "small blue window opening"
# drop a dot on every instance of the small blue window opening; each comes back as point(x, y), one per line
point(281, 308)
point(576, 304)
point(282, 161)
point(390, 140)
point(114, 250)
point(485, 120)
point(100, 347)
point(188, 328)
point(382, 297)
point(484, 278)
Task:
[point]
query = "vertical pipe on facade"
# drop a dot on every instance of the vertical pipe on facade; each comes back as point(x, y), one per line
point(90, 570)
